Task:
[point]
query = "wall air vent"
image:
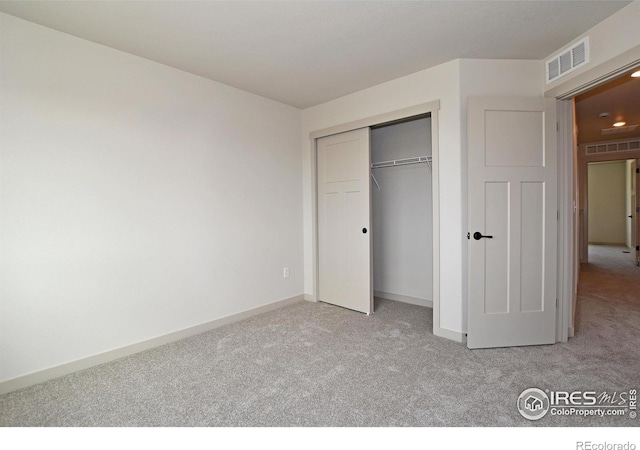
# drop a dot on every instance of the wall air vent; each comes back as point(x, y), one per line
point(617, 146)
point(568, 60)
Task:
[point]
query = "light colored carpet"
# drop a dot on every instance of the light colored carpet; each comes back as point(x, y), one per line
point(319, 365)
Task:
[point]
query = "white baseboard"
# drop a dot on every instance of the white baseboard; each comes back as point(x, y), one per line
point(310, 298)
point(450, 334)
point(41, 376)
point(404, 299)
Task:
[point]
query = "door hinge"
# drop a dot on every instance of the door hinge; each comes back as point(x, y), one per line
point(556, 303)
point(638, 209)
point(557, 126)
point(638, 248)
point(558, 215)
point(637, 170)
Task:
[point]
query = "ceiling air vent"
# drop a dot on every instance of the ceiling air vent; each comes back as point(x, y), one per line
point(568, 60)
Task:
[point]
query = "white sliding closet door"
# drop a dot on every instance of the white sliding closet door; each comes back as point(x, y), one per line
point(344, 220)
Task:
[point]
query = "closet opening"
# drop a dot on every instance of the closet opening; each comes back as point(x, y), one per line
point(402, 210)
point(342, 254)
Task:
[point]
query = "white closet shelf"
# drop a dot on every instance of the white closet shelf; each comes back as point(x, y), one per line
point(402, 162)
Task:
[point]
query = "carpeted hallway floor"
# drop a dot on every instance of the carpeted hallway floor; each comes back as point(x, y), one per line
point(319, 365)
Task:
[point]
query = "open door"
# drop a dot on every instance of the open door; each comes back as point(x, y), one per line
point(512, 240)
point(344, 220)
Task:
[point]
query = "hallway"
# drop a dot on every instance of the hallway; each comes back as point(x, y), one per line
point(608, 295)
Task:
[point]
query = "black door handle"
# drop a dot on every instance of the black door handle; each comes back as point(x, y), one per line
point(477, 236)
point(630, 217)
point(364, 230)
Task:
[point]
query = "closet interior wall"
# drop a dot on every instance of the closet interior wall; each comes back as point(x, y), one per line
point(402, 214)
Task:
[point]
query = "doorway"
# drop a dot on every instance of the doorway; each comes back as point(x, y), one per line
point(599, 122)
point(610, 205)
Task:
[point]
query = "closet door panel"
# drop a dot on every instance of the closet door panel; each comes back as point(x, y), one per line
point(344, 221)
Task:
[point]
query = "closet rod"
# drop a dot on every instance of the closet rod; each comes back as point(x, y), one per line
point(402, 162)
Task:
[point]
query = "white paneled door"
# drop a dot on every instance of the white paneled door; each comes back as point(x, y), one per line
point(344, 220)
point(512, 241)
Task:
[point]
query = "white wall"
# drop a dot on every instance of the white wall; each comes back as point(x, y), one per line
point(607, 202)
point(450, 83)
point(136, 199)
point(609, 39)
point(402, 212)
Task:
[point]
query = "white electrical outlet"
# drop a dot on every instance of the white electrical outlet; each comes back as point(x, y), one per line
point(286, 272)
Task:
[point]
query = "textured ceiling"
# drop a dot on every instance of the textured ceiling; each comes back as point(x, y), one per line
point(620, 98)
point(307, 52)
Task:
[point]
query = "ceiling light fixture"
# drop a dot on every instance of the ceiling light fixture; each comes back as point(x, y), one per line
point(636, 74)
point(619, 130)
point(619, 124)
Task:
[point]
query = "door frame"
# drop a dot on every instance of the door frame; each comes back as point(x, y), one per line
point(568, 189)
point(431, 108)
point(635, 225)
